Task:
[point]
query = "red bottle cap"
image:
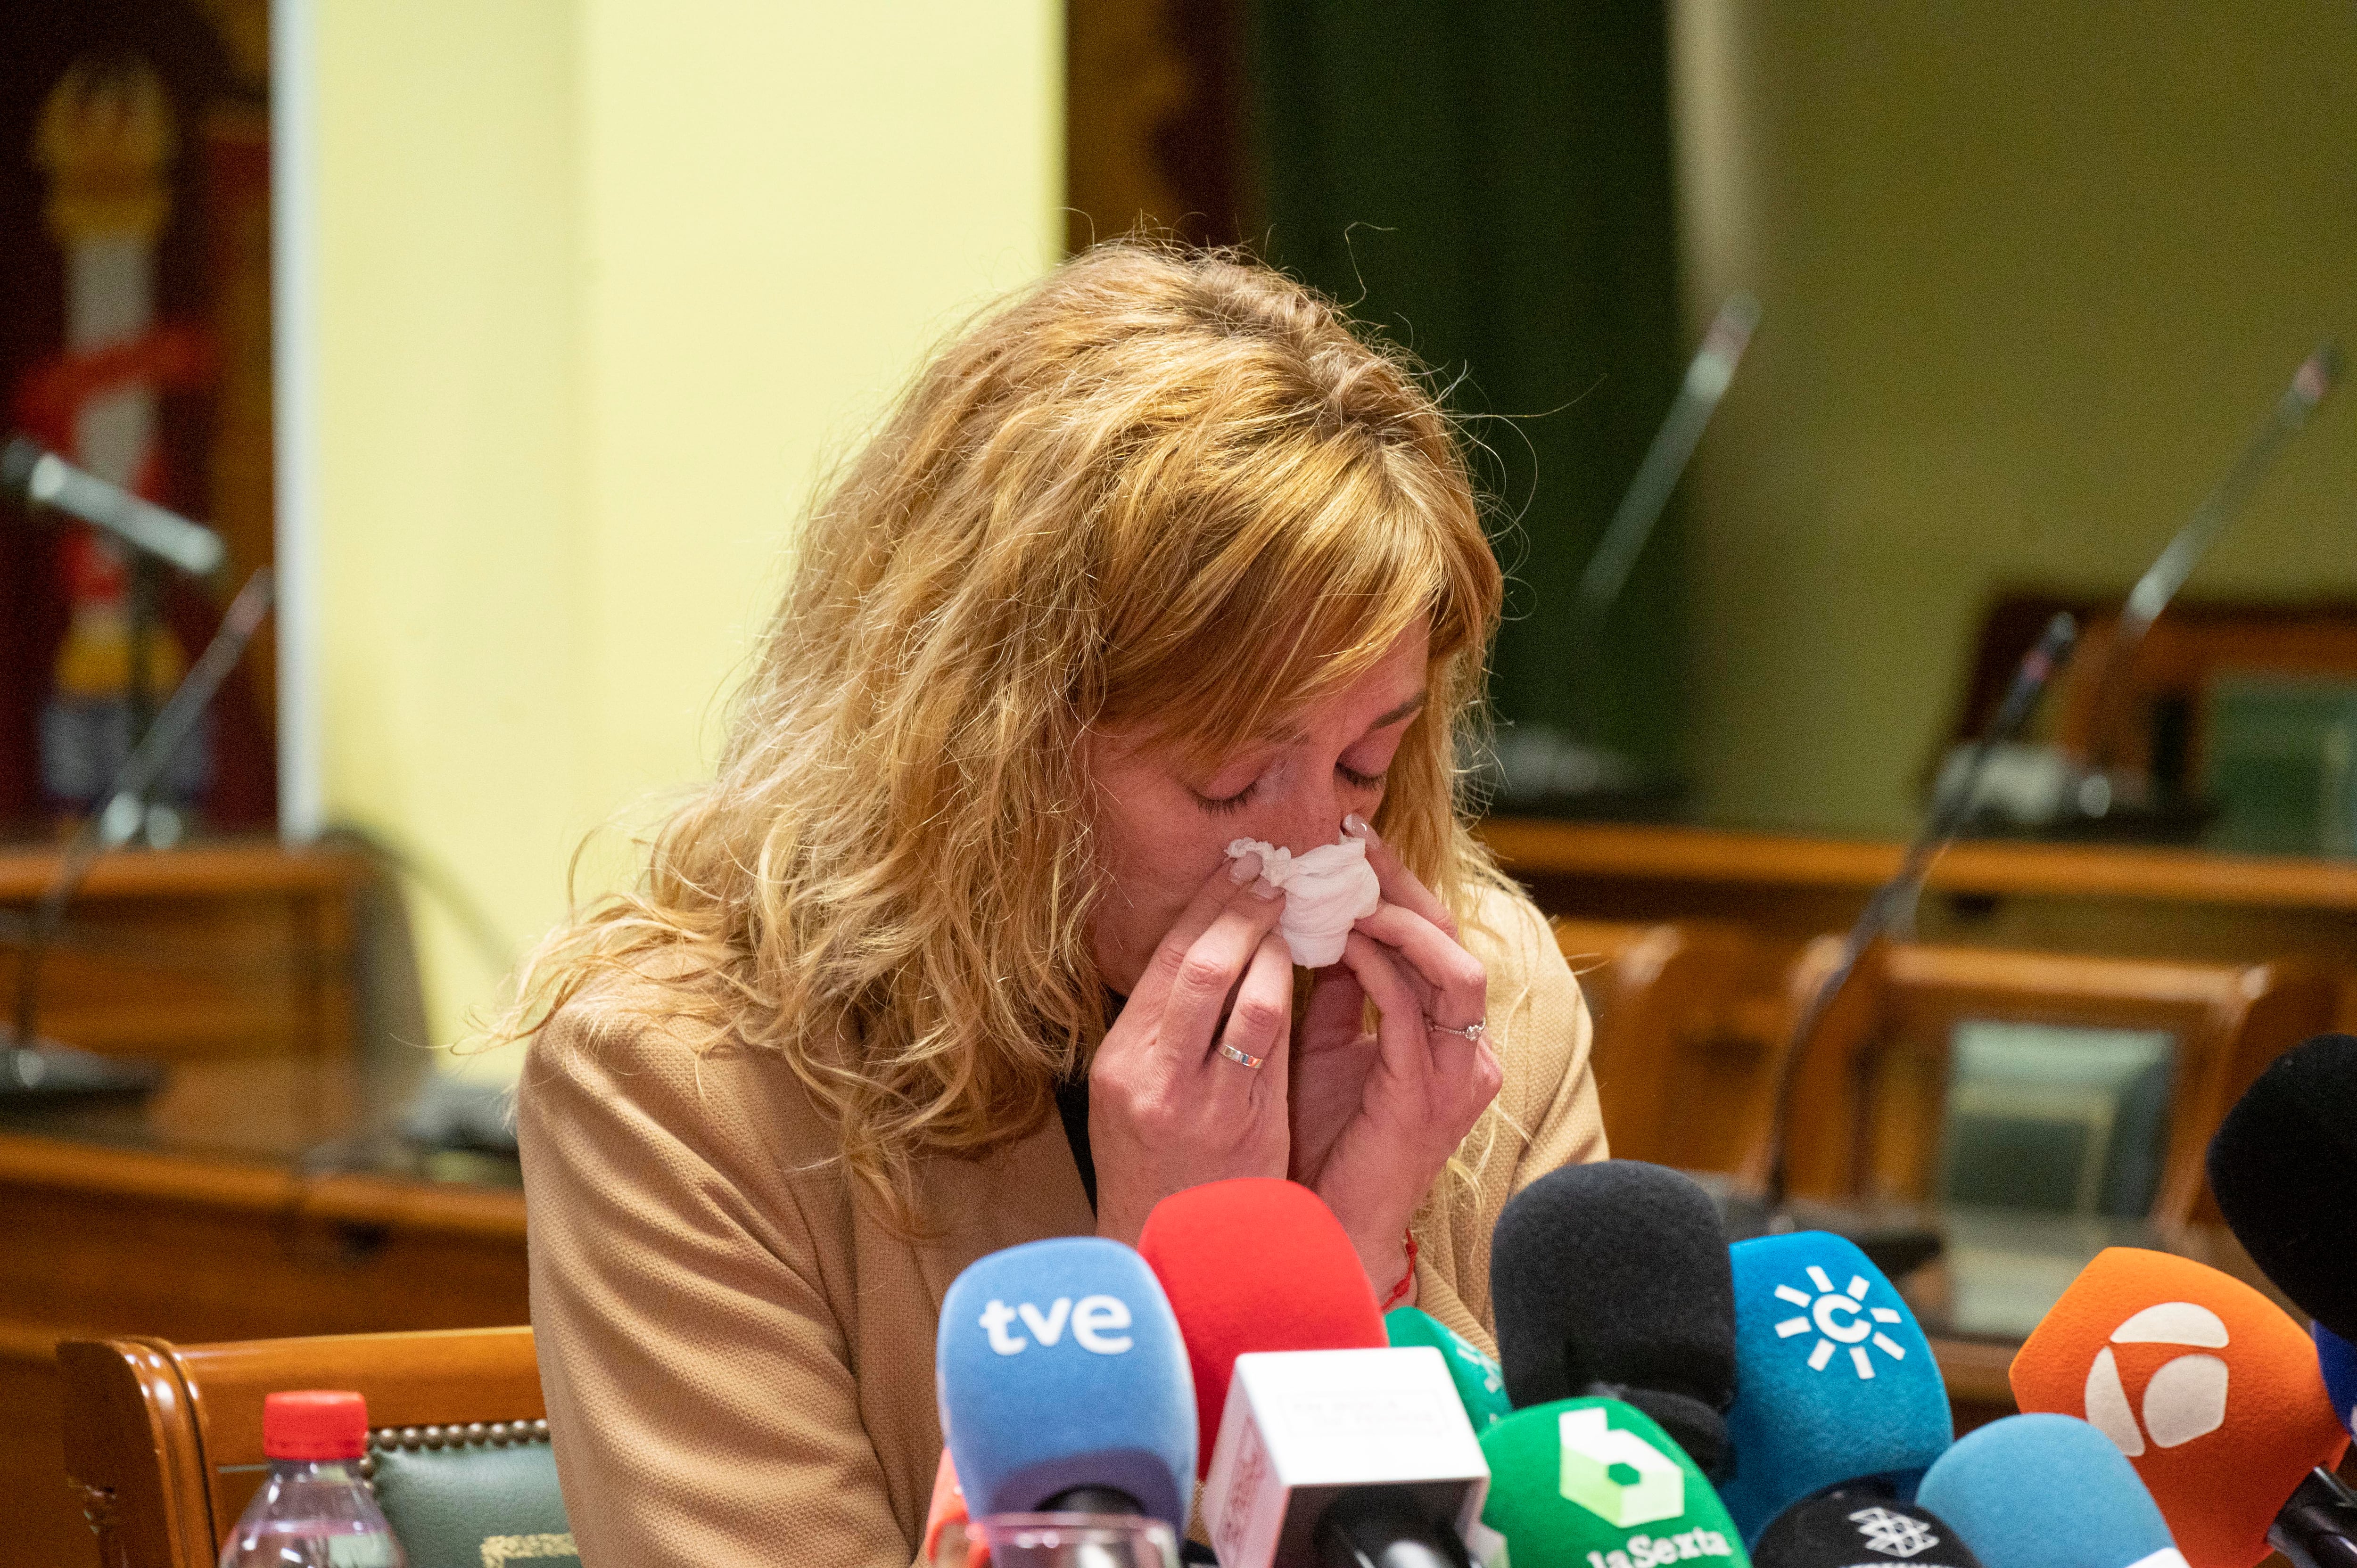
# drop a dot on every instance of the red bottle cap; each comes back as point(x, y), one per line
point(314, 1423)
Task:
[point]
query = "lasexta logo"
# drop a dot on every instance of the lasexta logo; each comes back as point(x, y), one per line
point(1617, 1476)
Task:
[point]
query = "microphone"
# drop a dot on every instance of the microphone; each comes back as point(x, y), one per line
point(1343, 1457)
point(36, 477)
point(1834, 1381)
point(948, 1506)
point(2045, 1491)
point(1847, 1532)
point(1329, 1445)
point(1597, 1483)
point(1480, 1381)
point(1612, 1279)
point(2337, 1359)
point(1256, 1264)
point(2211, 1390)
point(1064, 1386)
point(2284, 1167)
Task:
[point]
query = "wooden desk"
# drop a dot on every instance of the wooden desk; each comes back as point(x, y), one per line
point(231, 948)
point(2117, 900)
point(219, 1211)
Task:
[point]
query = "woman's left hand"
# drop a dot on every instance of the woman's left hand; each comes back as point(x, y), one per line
point(1376, 1117)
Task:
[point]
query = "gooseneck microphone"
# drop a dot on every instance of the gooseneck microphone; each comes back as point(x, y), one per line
point(35, 476)
point(2311, 384)
point(1064, 1386)
point(2045, 1491)
point(1849, 1532)
point(1612, 1280)
point(1836, 1388)
point(2212, 1393)
point(1893, 908)
point(2284, 1166)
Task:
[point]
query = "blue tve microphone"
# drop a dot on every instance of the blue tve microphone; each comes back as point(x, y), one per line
point(2339, 1360)
point(1064, 1385)
point(1834, 1381)
point(2048, 1491)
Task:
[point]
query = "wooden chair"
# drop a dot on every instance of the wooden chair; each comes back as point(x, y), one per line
point(1869, 1098)
point(1686, 1031)
point(164, 1441)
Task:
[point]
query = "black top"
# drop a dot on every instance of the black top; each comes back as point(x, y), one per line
point(1072, 1109)
point(1072, 1106)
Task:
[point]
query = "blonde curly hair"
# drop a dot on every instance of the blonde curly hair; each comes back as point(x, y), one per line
point(1160, 490)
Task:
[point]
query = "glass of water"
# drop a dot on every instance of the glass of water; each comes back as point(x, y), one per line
point(1057, 1541)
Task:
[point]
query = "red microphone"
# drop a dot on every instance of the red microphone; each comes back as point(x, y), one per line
point(948, 1509)
point(1256, 1264)
point(2209, 1388)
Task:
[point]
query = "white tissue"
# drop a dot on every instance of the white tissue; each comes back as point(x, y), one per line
point(1325, 891)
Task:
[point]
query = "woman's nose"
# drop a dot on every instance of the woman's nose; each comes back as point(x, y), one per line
point(1306, 819)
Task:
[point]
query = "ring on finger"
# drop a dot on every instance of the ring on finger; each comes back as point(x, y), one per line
point(1241, 1058)
point(1472, 1032)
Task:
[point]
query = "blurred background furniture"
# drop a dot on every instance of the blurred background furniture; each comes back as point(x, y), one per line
point(1678, 1004)
point(231, 948)
point(251, 1197)
point(164, 1441)
point(2042, 1082)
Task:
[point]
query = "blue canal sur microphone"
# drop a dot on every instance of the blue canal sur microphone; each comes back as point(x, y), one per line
point(1836, 1386)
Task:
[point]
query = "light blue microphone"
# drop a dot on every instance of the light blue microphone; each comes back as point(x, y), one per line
point(1064, 1384)
point(1834, 1381)
point(2048, 1491)
point(2339, 1360)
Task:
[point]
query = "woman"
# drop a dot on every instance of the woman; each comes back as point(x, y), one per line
point(951, 955)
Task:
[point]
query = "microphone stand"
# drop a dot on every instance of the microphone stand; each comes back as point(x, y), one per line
point(30, 1067)
point(1892, 908)
point(2311, 384)
point(1578, 770)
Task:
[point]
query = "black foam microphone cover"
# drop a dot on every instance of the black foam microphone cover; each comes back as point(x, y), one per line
point(2284, 1166)
point(1854, 1530)
point(1612, 1278)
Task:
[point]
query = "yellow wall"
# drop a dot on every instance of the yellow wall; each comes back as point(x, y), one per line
point(602, 284)
point(2031, 276)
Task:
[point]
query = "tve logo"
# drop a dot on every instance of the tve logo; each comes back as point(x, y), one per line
point(1095, 1322)
point(2184, 1398)
point(1617, 1476)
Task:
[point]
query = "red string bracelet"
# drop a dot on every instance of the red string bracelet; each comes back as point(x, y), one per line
point(1407, 1280)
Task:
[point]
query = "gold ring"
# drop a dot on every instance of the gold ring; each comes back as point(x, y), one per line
point(1472, 1032)
point(1241, 1058)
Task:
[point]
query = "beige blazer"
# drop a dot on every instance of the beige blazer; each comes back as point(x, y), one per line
point(739, 1364)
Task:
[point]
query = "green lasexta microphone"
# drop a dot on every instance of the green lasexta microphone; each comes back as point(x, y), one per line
point(1481, 1386)
point(1594, 1483)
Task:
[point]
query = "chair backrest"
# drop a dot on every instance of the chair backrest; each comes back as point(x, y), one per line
point(2078, 1050)
point(166, 1441)
point(1688, 1017)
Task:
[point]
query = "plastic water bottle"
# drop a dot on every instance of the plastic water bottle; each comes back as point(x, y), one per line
point(314, 1511)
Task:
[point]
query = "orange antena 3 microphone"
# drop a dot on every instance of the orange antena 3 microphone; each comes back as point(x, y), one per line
point(2213, 1395)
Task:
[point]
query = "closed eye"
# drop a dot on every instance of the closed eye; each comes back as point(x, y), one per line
point(1223, 805)
point(1358, 781)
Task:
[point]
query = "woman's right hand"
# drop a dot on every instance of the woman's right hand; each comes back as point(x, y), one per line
point(1167, 1110)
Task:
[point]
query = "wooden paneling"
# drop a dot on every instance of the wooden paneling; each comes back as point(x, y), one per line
point(2117, 901)
point(200, 1217)
point(241, 948)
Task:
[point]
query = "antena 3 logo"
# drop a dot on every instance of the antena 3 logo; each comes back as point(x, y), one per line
point(1096, 1322)
point(2185, 1397)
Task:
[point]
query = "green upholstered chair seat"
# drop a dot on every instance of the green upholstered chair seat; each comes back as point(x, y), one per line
point(472, 1497)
